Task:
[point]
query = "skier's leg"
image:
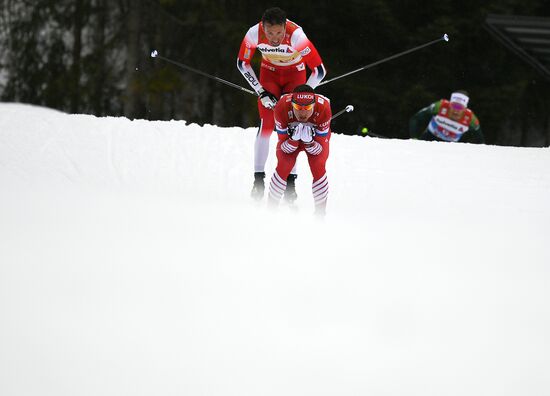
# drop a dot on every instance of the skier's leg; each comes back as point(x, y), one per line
point(319, 187)
point(278, 183)
point(261, 144)
point(290, 192)
point(293, 77)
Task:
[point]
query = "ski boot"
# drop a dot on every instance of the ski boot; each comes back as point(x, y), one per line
point(290, 193)
point(259, 187)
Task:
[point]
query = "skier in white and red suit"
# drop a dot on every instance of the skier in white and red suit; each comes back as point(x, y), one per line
point(286, 51)
point(302, 122)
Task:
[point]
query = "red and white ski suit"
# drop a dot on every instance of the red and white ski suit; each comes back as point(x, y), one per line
point(287, 149)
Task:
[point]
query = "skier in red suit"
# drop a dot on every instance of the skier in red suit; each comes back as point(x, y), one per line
point(286, 51)
point(302, 122)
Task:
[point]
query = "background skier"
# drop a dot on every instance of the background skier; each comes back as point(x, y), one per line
point(447, 120)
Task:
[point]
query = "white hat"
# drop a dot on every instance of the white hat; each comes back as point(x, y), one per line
point(459, 97)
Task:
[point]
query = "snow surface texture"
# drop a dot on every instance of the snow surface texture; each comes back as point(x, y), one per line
point(133, 262)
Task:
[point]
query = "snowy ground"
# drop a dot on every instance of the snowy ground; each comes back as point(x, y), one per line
point(132, 262)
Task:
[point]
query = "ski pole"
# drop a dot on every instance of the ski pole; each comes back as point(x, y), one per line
point(348, 109)
point(155, 54)
point(444, 38)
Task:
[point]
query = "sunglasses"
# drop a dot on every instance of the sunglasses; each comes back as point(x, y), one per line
point(308, 107)
point(457, 106)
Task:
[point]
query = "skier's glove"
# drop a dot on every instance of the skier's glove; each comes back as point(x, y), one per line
point(302, 132)
point(268, 99)
point(295, 132)
point(289, 146)
point(314, 148)
point(307, 134)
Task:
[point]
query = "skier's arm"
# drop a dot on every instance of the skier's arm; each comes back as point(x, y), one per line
point(322, 129)
point(479, 136)
point(249, 75)
point(246, 52)
point(311, 57)
point(317, 74)
point(474, 133)
point(281, 121)
point(419, 121)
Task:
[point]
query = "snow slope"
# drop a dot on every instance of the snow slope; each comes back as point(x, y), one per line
point(133, 262)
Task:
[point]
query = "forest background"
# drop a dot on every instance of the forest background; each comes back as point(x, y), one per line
point(93, 57)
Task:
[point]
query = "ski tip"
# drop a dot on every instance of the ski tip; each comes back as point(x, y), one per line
point(349, 108)
point(446, 37)
point(154, 53)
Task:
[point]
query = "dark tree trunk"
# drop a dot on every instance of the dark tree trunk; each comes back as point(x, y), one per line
point(99, 51)
point(131, 100)
point(77, 50)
